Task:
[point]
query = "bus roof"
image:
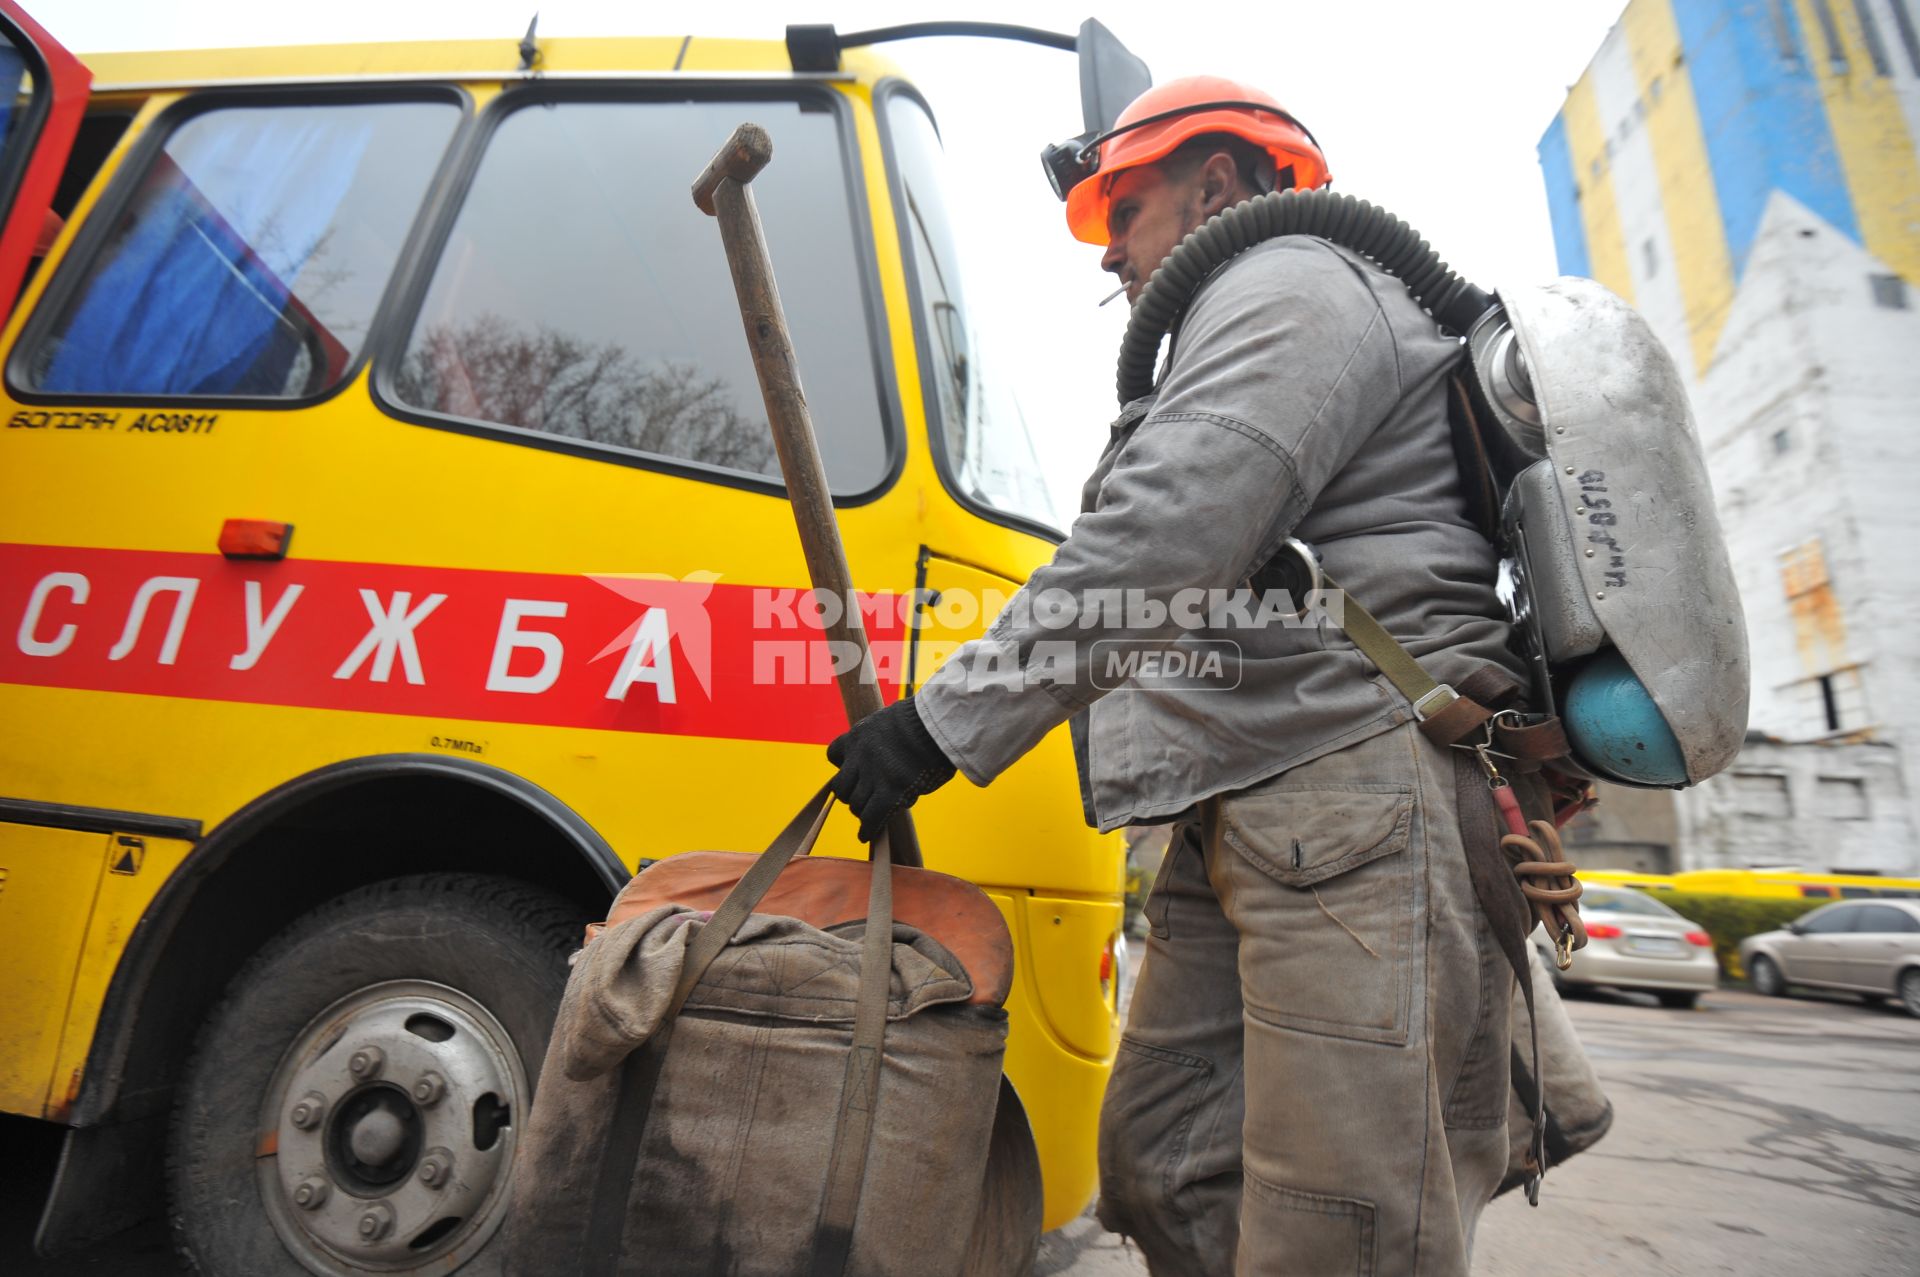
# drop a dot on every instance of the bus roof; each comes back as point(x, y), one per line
point(467, 59)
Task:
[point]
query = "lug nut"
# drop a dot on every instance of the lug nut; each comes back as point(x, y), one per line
point(308, 1111)
point(428, 1089)
point(311, 1194)
point(376, 1222)
point(436, 1167)
point(367, 1062)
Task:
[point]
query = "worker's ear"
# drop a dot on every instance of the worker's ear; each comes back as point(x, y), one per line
point(1219, 184)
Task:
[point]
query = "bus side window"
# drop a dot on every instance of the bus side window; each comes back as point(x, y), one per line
point(579, 296)
point(1823, 893)
point(250, 256)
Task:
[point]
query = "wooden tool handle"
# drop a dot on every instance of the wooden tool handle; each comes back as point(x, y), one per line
point(747, 152)
point(731, 204)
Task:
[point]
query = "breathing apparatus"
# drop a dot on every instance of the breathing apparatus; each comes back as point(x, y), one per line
point(1576, 443)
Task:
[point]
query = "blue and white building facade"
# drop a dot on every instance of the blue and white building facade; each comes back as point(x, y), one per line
point(1745, 173)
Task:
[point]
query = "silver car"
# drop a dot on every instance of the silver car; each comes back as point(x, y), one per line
point(1635, 942)
point(1869, 947)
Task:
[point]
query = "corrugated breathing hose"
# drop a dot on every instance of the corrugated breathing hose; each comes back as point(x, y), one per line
point(1352, 223)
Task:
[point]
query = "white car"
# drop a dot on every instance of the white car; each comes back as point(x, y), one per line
point(1869, 947)
point(1635, 942)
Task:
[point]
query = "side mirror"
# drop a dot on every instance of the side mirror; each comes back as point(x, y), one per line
point(1797, 927)
point(1110, 76)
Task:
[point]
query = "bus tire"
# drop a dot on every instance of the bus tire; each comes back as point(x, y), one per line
point(352, 1104)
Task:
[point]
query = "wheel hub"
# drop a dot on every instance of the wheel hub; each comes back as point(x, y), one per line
point(374, 1139)
point(391, 1121)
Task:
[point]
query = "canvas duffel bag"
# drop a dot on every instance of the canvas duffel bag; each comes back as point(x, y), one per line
point(800, 1082)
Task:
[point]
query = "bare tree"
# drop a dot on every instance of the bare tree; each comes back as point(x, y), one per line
point(544, 379)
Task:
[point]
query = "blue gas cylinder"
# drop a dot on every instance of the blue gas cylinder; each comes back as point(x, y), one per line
point(1616, 729)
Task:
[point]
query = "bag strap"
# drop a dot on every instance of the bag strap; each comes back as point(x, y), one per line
point(860, 1089)
point(795, 840)
point(640, 1074)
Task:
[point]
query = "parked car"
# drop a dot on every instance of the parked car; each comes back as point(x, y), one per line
point(1635, 942)
point(1869, 947)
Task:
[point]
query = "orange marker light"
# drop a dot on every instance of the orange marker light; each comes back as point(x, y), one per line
point(255, 539)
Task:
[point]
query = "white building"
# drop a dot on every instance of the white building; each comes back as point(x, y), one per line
point(1744, 171)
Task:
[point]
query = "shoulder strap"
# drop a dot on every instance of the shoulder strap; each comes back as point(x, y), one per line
point(860, 1090)
point(1488, 459)
point(853, 1129)
point(640, 1075)
point(1448, 716)
point(1470, 456)
point(1445, 716)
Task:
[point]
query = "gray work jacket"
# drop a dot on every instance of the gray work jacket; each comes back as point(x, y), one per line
point(1304, 396)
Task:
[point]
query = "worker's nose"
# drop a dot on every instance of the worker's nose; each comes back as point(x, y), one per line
point(1114, 258)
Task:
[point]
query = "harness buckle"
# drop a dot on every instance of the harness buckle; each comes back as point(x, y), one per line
point(1439, 698)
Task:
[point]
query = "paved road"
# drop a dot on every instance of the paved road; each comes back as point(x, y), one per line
point(1753, 1137)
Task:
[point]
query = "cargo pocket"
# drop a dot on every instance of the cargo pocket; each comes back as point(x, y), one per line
point(1146, 1131)
point(1285, 1230)
point(1323, 894)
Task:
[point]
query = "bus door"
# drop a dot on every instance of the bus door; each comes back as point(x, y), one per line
point(47, 876)
point(43, 91)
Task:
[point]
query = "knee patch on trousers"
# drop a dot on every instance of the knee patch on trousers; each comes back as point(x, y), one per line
point(1300, 1232)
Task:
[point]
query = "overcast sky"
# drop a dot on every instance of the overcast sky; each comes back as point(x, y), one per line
point(1431, 110)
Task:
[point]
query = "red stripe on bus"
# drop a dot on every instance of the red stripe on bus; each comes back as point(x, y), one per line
point(744, 664)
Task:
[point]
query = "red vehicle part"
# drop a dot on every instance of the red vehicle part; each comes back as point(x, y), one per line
point(37, 144)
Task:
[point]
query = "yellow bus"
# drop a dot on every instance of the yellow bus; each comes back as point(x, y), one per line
point(1781, 884)
point(392, 558)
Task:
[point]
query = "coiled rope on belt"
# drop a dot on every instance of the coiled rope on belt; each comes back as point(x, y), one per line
point(1546, 875)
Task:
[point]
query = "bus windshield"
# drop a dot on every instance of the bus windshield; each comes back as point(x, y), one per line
point(980, 436)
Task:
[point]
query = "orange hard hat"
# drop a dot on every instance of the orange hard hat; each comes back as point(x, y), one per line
point(1159, 120)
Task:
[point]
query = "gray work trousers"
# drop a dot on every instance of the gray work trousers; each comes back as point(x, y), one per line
point(1313, 1079)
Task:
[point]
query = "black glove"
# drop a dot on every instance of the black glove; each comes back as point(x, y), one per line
point(886, 761)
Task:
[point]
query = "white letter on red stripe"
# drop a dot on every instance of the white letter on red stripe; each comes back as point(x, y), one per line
point(511, 636)
point(392, 632)
point(183, 589)
point(259, 632)
point(650, 636)
point(70, 581)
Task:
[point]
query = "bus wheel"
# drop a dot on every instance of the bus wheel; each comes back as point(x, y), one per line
point(352, 1105)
